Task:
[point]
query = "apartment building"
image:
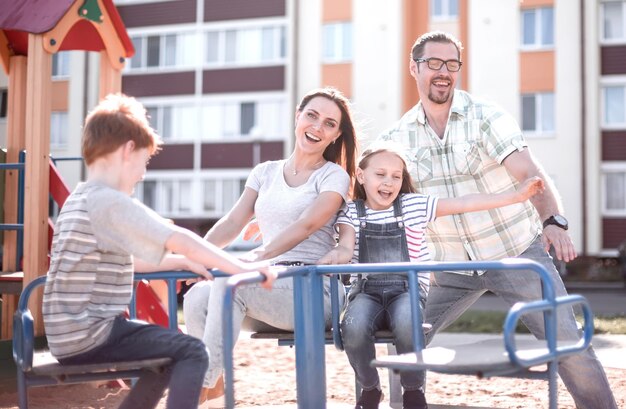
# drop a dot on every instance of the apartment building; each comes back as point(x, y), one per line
point(221, 79)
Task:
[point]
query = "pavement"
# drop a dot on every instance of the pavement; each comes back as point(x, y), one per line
point(605, 299)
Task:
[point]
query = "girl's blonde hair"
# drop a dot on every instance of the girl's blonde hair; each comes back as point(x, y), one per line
point(374, 149)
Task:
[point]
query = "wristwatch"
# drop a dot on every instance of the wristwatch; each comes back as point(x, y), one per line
point(557, 220)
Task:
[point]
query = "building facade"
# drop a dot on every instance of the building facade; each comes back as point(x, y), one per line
point(222, 78)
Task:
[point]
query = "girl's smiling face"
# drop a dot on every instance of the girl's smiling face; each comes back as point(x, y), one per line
point(381, 179)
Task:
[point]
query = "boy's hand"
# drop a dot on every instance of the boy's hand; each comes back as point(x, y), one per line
point(531, 187)
point(198, 269)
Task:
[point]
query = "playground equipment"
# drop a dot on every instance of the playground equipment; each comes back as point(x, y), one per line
point(30, 32)
point(508, 359)
point(39, 368)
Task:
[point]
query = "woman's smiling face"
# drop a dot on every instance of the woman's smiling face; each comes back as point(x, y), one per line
point(317, 125)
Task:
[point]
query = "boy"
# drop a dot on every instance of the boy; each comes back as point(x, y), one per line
point(98, 232)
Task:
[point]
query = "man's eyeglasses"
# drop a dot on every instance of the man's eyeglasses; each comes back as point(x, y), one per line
point(436, 63)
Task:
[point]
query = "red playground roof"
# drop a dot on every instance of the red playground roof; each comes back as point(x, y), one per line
point(20, 17)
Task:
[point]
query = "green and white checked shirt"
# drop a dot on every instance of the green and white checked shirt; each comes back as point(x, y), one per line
point(478, 137)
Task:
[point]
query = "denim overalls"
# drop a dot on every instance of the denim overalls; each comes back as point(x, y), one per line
point(379, 301)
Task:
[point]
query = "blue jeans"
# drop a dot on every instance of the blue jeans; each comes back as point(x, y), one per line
point(451, 294)
point(376, 305)
point(133, 340)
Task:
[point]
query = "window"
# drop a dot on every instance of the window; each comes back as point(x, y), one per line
point(174, 122)
point(614, 21)
point(173, 50)
point(58, 130)
point(169, 197)
point(614, 203)
point(148, 196)
point(4, 100)
point(220, 195)
point(538, 27)
point(247, 117)
point(243, 119)
point(538, 113)
point(245, 46)
point(61, 64)
point(614, 106)
point(337, 42)
point(444, 9)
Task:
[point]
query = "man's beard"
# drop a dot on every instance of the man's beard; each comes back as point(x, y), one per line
point(442, 99)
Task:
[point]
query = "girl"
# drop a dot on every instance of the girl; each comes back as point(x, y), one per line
point(386, 222)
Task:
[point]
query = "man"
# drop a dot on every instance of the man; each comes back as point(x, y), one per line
point(461, 145)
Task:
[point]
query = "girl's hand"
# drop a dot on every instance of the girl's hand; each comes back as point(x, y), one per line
point(253, 255)
point(531, 187)
point(330, 258)
point(252, 231)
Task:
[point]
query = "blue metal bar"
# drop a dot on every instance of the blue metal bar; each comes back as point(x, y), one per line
point(19, 250)
point(9, 166)
point(227, 324)
point(310, 355)
point(416, 308)
point(66, 158)
point(6, 226)
point(171, 277)
point(335, 312)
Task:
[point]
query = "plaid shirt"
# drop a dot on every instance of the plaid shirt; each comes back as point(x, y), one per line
point(468, 160)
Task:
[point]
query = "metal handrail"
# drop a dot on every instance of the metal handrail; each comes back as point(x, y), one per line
point(19, 226)
point(309, 322)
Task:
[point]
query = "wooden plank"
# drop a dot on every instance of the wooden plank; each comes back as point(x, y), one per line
point(38, 110)
point(16, 136)
point(45, 364)
point(110, 77)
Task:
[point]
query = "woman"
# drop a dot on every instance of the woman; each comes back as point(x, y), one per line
point(295, 201)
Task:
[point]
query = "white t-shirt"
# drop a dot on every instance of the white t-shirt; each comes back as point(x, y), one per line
point(278, 205)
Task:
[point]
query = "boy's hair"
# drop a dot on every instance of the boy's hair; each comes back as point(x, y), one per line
point(374, 149)
point(116, 120)
point(343, 150)
point(417, 51)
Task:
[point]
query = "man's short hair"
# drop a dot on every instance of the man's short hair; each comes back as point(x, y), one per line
point(116, 120)
point(417, 51)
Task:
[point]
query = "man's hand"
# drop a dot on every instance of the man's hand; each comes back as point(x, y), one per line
point(562, 242)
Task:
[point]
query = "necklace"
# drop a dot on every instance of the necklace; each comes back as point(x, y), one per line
point(294, 171)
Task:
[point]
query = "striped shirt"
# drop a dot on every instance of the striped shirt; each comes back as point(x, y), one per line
point(468, 160)
point(417, 211)
point(90, 279)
